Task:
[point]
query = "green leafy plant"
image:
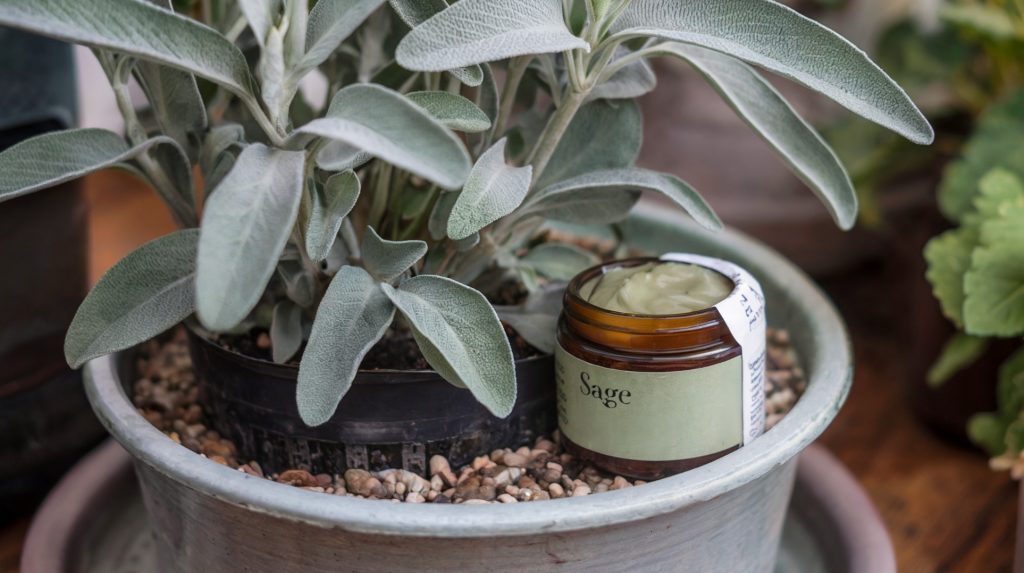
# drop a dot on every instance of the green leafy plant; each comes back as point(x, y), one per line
point(955, 72)
point(421, 188)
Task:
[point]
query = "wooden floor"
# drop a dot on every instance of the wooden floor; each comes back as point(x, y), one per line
point(945, 510)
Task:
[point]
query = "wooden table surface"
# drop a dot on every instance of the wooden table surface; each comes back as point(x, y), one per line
point(945, 510)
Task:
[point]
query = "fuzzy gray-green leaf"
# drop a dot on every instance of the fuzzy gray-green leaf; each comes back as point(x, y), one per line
point(177, 105)
point(603, 135)
point(330, 22)
point(53, 158)
point(437, 225)
point(460, 336)
point(631, 81)
point(574, 199)
point(353, 315)
point(331, 204)
point(245, 227)
point(536, 320)
point(764, 109)
point(388, 125)
point(147, 292)
point(559, 261)
point(285, 331)
point(260, 14)
point(139, 29)
point(777, 38)
point(453, 111)
point(477, 31)
point(494, 189)
point(340, 156)
point(415, 12)
point(385, 259)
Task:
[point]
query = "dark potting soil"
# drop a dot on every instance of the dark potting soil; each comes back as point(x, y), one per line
point(166, 394)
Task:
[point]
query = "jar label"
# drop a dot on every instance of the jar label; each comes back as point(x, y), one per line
point(743, 313)
point(650, 416)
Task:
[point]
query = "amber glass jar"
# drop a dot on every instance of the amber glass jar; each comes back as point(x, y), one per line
point(646, 396)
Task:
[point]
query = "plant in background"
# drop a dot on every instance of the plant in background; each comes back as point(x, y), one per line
point(955, 73)
point(420, 191)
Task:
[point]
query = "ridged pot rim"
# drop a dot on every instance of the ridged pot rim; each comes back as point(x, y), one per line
point(827, 362)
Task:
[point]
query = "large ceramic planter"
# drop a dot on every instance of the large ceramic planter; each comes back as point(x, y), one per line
point(388, 418)
point(45, 421)
point(725, 516)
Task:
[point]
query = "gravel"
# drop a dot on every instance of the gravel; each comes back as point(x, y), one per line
point(166, 394)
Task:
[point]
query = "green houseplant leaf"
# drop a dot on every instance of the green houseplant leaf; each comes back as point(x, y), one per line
point(140, 29)
point(960, 351)
point(245, 227)
point(536, 320)
point(330, 205)
point(994, 284)
point(453, 111)
point(949, 257)
point(176, 103)
point(144, 294)
point(772, 118)
point(477, 31)
point(460, 336)
point(260, 14)
point(792, 46)
point(494, 189)
point(388, 125)
point(630, 81)
point(571, 200)
point(386, 260)
point(353, 316)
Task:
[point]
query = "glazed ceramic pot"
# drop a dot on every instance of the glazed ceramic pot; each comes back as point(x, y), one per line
point(724, 516)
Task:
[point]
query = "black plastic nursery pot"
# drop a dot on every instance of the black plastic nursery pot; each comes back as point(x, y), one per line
point(388, 419)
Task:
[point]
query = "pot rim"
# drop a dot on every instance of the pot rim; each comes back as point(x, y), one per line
point(829, 374)
point(290, 370)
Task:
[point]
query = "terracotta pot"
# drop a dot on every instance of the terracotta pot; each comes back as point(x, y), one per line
point(724, 516)
point(388, 419)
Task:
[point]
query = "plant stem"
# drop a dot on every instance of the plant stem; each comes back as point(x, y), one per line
point(516, 70)
point(348, 236)
point(184, 215)
point(553, 132)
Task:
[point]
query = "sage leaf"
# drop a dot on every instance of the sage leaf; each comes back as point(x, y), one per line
point(792, 45)
point(353, 315)
point(139, 29)
point(477, 31)
point(176, 103)
point(218, 140)
point(285, 331)
point(340, 156)
point(536, 320)
point(330, 22)
point(144, 294)
point(415, 12)
point(494, 189)
point(437, 224)
point(772, 118)
point(261, 15)
point(559, 261)
point(245, 226)
point(460, 336)
point(298, 282)
point(385, 259)
point(603, 135)
point(453, 111)
point(330, 205)
point(631, 81)
point(388, 125)
point(960, 351)
point(568, 200)
point(53, 158)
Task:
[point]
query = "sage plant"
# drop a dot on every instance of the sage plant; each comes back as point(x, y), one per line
point(451, 135)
